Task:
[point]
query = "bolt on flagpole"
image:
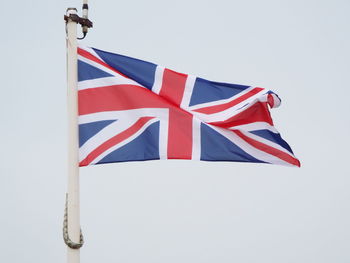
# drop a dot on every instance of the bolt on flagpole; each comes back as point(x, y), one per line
point(73, 209)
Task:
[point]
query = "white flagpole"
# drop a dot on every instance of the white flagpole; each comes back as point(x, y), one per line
point(73, 209)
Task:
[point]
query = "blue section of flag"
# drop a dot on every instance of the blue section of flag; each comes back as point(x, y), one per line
point(86, 72)
point(138, 70)
point(144, 147)
point(273, 137)
point(86, 131)
point(208, 91)
point(215, 147)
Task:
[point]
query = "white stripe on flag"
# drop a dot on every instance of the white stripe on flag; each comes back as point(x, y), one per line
point(158, 79)
point(196, 139)
point(103, 82)
point(254, 126)
point(160, 113)
point(190, 81)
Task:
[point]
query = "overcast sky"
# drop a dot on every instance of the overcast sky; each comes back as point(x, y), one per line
point(182, 211)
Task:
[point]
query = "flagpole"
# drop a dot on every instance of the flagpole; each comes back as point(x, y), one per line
point(73, 209)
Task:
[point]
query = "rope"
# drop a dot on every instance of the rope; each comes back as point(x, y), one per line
point(66, 238)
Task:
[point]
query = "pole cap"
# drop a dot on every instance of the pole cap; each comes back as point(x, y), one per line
point(71, 10)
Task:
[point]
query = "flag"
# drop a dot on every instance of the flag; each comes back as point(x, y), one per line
point(133, 110)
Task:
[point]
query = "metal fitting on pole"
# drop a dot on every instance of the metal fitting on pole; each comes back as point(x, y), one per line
point(85, 16)
point(83, 21)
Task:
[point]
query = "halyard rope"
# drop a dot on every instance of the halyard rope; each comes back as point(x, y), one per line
point(66, 238)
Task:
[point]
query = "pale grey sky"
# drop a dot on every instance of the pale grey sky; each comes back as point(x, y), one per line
point(182, 211)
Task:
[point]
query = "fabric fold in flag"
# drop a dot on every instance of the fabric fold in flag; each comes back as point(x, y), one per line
point(133, 110)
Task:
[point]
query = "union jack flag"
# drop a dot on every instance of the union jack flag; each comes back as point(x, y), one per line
point(133, 110)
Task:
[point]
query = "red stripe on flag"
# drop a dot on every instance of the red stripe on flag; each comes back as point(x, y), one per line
point(173, 86)
point(270, 100)
point(115, 140)
point(89, 56)
point(180, 135)
point(118, 97)
point(180, 122)
point(258, 112)
point(225, 106)
point(268, 149)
